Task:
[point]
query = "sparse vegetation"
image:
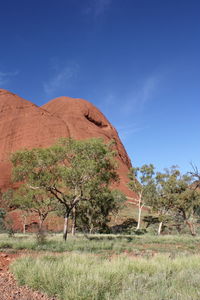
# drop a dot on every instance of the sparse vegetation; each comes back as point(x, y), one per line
point(172, 196)
point(106, 245)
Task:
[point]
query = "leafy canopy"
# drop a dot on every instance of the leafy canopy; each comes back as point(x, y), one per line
point(70, 170)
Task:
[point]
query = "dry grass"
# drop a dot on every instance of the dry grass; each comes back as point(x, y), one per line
point(83, 277)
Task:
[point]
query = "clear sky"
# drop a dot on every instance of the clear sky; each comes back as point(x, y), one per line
point(138, 61)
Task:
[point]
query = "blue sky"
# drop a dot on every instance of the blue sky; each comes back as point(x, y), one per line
point(138, 61)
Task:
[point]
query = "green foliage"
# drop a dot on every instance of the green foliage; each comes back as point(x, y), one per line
point(31, 200)
point(171, 195)
point(141, 181)
point(94, 213)
point(176, 197)
point(70, 171)
point(34, 200)
point(73, 165)
point(2, 217)
point(143, 184)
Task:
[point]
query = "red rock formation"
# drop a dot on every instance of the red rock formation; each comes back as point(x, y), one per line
point(25, 125)
point(85, 121)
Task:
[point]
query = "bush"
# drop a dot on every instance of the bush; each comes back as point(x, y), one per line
point(2, 217)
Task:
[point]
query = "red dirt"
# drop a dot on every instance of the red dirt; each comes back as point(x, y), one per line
point(9, 290)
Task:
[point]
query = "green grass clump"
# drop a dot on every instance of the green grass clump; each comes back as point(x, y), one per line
point(83, 277)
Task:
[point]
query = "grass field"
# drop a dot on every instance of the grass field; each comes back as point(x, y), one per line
point(79, 276)
point(98, 267)
point(105, 244)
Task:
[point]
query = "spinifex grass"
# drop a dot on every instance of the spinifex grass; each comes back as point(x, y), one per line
point(104, 244)
point(83, 277)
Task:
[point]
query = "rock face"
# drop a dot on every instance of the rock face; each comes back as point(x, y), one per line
point(25, 125)
point(85, 121)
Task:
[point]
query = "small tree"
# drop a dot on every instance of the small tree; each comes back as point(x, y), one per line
point(177, 197)
point(37, 201)
point(164, 198)
point(142, 183)
point(68, 171)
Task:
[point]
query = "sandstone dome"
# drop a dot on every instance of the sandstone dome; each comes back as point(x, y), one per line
point(84, 121)
point(24, 125)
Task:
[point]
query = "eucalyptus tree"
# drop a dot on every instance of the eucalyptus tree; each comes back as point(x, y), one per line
point(163, 203)
point(143, 184)
point(33, 200)
point(68, 171)
point(176, 197)
point(170, 194)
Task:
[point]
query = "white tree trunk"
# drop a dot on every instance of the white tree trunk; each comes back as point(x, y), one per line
point(91, 229)
point(139, 218)
point(24, 224)
point(65, 229)
point(160, 227)
point(74, 221)
point(140, 206)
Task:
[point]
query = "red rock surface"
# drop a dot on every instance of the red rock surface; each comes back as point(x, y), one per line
point(25, 125)
point(85, 121)
point(53, 223)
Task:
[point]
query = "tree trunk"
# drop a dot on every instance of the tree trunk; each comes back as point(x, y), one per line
point(74, 221)
point(160, 228)
point(40, 223)
point(40, 228)
point(139, 218)
point(139, 212)
point(24, 223)
point(40, 234)
point(91, 229)
point(65, 227)
point(191, 227)
point(24, 228)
